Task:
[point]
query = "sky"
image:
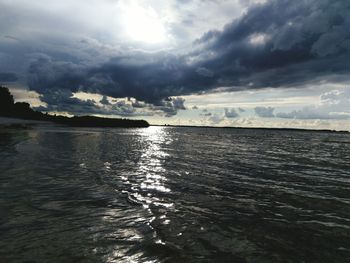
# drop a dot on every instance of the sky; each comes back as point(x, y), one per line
point(247, 63)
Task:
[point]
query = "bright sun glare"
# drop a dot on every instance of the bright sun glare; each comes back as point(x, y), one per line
point(144, 25)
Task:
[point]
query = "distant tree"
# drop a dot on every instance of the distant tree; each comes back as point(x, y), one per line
point(6, 100)
point(22, 110)
point(22, 107)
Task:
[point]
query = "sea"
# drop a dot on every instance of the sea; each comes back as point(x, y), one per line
point(173, 194)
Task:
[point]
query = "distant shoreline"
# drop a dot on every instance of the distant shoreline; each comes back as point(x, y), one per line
point(83, 122)
point(8, 122)
point(21, 110)
point(20, 114)
point(256, 128)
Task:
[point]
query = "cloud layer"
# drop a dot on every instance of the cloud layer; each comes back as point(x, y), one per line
point(276, 43)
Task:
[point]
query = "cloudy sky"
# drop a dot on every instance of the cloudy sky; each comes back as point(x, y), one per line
point(270, 63)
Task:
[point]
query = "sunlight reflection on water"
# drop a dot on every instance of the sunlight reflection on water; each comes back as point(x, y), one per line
point(173, 195)
point(147, 181)
point(151, 160)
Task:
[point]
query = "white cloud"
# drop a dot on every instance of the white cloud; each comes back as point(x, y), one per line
point(258, 39)
point(265, 112)
point(231, 113)
point(23, 95)
point(333, 104)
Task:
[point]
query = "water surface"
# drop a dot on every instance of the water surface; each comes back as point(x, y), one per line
point(174, 195)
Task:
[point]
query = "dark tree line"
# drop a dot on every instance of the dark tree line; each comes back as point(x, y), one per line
point(22, 110)
point(9, 108)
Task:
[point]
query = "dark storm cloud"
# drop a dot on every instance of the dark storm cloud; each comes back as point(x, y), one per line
point(104, 101)
point(8, 77)
point(277, 44)
point(63, 101)
point(170, 106)
point(151, 82)
point(280, 43)
point(205, 72)
point(178, 103)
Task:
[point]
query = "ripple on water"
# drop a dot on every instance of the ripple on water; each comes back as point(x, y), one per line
point(174, 194)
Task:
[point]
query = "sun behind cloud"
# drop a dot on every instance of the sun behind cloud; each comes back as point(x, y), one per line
point(143, 24)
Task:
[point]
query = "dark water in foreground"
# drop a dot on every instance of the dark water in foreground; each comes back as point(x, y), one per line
point(174, 195)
